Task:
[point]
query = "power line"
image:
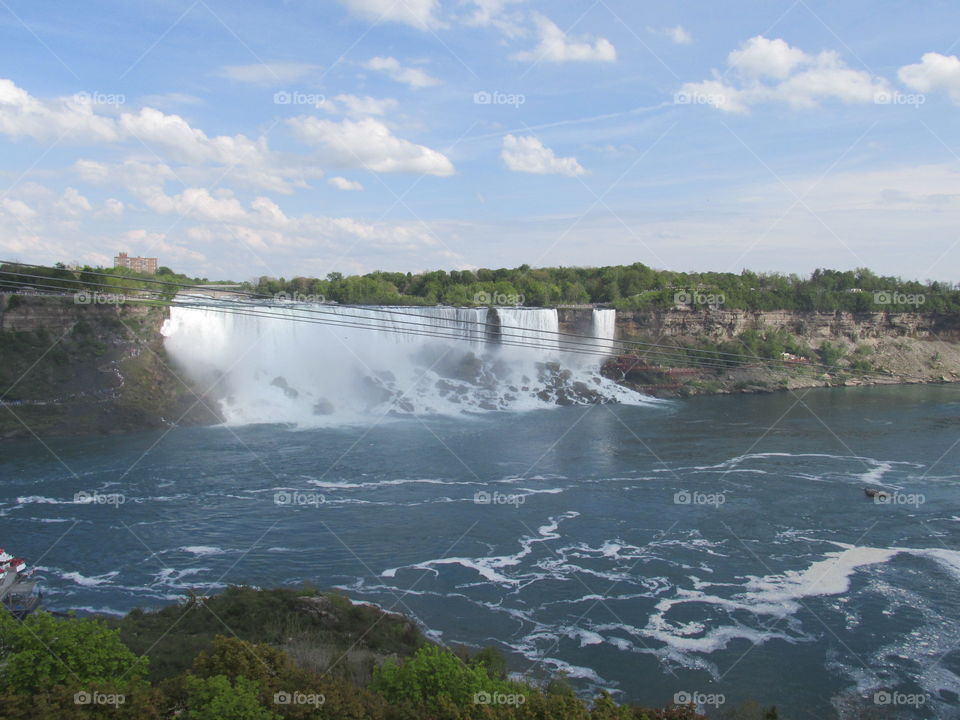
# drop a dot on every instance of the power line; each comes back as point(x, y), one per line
point(582, 344)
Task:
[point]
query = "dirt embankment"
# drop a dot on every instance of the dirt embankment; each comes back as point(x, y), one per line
point(68, 368)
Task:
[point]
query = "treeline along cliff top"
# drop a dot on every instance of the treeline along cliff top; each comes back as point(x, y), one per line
point(626, 287)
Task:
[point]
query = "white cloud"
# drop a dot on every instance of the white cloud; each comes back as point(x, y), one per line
point(759, 57)
point(493, 13)
point(414, 77)
point(421, 14)
point(679, 35)
point(529, 155)
point(368, 143)
point(359, 106)
point(73, 203)
point(557, 47)
point(934, 72)
point(67, 119)
point(341, 183)
point(269, 73)
point(249, 161)
point(112, 208)
point(773, 71)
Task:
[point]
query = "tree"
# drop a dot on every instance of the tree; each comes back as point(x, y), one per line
point(216, 698)
point(43, 651)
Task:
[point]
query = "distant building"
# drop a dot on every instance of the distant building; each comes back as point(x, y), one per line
point(137, 264)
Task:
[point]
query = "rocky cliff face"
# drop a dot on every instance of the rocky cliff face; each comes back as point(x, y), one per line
point(71, 369)
point(900, 347)
point(728, 324)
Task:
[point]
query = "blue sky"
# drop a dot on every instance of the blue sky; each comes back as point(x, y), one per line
point(303, 137)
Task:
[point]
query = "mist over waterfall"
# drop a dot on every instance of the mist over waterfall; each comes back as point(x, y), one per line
point(311, 364)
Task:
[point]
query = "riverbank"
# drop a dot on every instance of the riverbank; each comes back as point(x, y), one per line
point(268, 654)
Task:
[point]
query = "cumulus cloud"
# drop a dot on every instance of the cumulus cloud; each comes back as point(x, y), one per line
point(73, 119)
point(934, 72)
point(763, 70)
point(268, 73)
point(421, 14)
point(391, 67)
point(369, 143)
point(556, 46)
point(341, 183)
point(759, 57)
point(66, 119)
point(529, 155)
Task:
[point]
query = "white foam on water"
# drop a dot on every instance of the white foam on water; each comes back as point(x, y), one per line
point(491, 568)
point(202, 550)
point(83, 580)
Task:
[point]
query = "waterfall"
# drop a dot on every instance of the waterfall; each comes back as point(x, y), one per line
point(266, 365)
point(536, 326)
point(604, 329)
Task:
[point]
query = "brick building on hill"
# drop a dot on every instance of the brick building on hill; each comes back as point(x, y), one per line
point(137, 264)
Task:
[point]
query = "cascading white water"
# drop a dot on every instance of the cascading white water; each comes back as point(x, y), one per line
point(604, 328)
point(279, 369)
point(537, 326)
